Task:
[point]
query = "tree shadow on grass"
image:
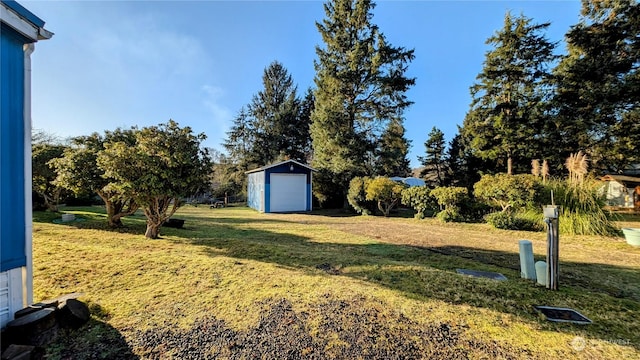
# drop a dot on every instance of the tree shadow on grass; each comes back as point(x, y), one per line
point(94, 218)
point(94, 340)
point(429, 273)
point(607, 294)
point(398, 212)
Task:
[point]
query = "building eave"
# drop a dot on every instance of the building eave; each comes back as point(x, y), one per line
point(278, 164)
point(23, 21)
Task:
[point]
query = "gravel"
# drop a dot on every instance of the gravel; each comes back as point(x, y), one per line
point(333, 329)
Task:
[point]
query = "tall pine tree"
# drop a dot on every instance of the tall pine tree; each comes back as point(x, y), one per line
point(598, 86)
point(275, 111)
point(391, 155)
point(507, 109)
point(273, 127)
point(434, 161)
point(360, 87)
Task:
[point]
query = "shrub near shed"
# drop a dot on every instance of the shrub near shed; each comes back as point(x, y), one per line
point(420, 199)
point(508, 191)
point(386, 192)
point(451, 198)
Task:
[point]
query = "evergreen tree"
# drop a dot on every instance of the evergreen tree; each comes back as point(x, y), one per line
point(454, 162)
point(275, 111)
point(393, 147)
point(360, 87)
point(434, 160)
point(273, 127)
point(301, 141)
point(241, 139)
point(508, 105)
point(598, 86)
point(464, 165)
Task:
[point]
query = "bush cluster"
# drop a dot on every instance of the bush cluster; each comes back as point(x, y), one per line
point(581, 207)
point(520, 197)
point(367, 194)
point(452, 199)
point(511, 221)
point(420, 199)
point(357, 196)
point(450, 215)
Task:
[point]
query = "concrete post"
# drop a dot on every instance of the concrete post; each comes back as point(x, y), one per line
point(527, 268)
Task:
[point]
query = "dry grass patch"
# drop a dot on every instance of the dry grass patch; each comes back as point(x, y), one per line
point(237, 273)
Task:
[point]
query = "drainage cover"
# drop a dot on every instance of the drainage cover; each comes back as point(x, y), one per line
point(484, 274)
point(563, 315)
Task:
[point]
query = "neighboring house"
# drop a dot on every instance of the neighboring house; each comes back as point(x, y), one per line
point(20, 29)
point(621, 191)
point(281, 187)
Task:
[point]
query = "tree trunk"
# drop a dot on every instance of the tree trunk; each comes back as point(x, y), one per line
point(153, 230)
point(116, 209)
point(50, 203)
point(509, 165)
point(114, 221)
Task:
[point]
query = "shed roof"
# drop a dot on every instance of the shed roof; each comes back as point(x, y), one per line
point(626, 180)
point(23, 12)
point(278, 164)
point(23, 21)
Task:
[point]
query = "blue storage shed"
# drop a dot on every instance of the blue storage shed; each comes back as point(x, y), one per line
point(20, 30)
point(281, 187)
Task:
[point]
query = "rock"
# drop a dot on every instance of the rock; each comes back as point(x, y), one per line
point(50, 303)
point(37, 328)
point(174, 223)
point(38, 324)
point(73, 313)
point(22, 352)
point(32, 308)
point(59, 299)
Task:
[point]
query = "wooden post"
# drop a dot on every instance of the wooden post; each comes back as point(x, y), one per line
point(551, 218)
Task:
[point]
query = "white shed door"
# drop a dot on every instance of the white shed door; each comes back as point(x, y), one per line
point(288, 192)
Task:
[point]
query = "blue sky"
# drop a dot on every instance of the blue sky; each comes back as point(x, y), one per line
point(122, 63)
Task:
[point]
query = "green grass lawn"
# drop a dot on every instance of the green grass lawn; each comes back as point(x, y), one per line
point(351, 284)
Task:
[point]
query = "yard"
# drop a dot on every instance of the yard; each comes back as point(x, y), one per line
point(235, 283)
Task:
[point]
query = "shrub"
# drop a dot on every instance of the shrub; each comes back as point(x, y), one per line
point(508, 191)
point(581, 208)
point(450, 197)
point(357, 196)
point(511, 221)
point(475, 211)
point(450, 215)
point(420, 199)
point(385, 192)
point(328, 190)
point(534, 217)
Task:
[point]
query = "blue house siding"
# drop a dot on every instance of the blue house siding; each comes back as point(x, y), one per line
point(267, 195)
point(12, 197)
point(20, 29)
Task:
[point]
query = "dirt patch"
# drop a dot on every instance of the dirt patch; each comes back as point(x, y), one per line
point(333, 329)
point(329, 269)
